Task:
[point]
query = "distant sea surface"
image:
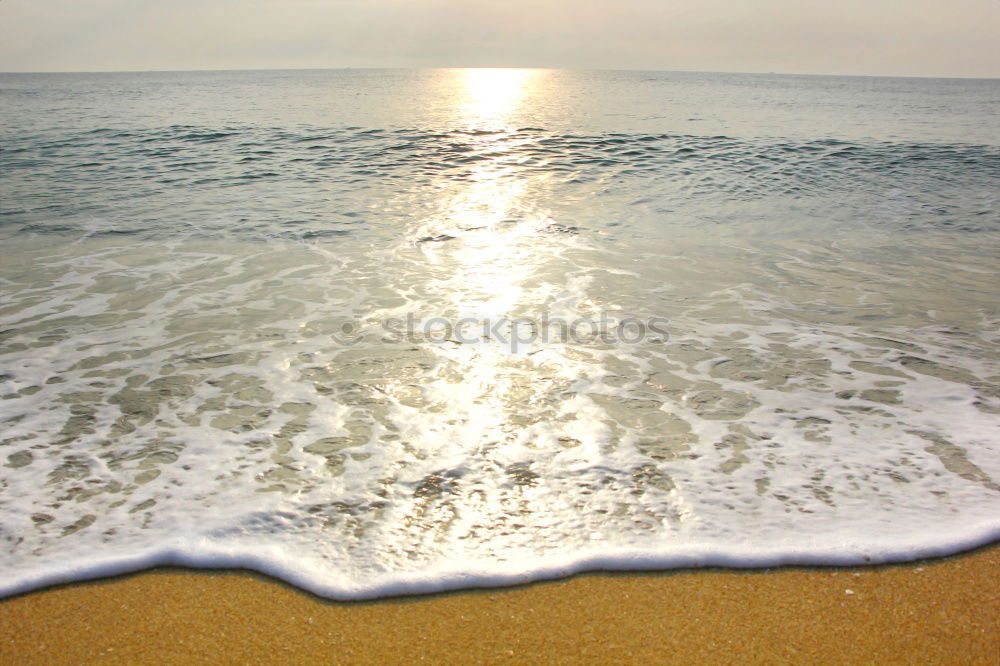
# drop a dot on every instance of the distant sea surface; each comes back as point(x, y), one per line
point(380, 332)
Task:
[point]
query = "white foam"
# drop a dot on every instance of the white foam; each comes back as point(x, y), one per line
point(220, 421)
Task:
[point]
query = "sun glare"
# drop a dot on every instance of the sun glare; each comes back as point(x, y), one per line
point(493, 94)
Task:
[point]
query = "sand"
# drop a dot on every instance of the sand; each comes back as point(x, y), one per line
point(936, 611)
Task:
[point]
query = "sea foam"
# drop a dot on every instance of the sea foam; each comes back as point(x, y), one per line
point(385, 360)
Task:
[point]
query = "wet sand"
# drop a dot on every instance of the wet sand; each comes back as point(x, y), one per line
point(935, 611)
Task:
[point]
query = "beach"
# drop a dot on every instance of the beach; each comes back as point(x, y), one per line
point(931, 611)
point(400, 331)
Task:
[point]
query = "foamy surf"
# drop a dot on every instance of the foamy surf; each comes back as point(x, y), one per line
point(415, 360)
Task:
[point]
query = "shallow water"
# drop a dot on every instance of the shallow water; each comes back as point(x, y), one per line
point(380, 332)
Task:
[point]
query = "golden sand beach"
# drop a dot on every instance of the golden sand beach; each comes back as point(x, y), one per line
point(934, 611)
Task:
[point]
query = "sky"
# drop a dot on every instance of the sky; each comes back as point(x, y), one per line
point(862, 37)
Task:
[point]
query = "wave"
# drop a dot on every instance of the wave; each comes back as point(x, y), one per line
point(897, 186)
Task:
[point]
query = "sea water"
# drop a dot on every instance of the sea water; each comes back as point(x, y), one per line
point(380, 332)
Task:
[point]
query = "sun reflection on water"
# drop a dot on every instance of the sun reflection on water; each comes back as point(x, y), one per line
point(491, 95)
point(489, 210)
point(485, 258)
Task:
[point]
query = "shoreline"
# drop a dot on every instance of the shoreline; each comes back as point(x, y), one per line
point(944, 609)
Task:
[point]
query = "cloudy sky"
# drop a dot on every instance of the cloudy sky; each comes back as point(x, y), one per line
point(878, 37)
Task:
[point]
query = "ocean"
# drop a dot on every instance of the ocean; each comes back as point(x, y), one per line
point(381, 332)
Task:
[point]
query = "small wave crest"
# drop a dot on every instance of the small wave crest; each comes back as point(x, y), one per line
point(152, 178)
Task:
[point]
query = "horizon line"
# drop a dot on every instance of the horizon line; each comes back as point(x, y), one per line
point(539, 67)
